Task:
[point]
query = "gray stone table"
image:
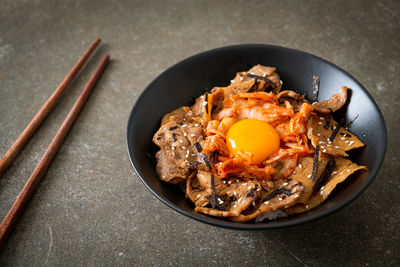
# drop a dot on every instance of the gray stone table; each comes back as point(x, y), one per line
point(91, 209)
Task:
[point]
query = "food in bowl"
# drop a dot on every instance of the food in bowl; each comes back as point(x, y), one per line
point(249, 151)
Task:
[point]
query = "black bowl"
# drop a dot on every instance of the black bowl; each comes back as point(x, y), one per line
point(188, 79)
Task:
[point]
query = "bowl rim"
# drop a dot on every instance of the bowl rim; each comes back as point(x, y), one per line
point(262, 225)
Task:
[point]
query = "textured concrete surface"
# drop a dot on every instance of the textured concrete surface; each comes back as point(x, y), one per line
point(92, 210)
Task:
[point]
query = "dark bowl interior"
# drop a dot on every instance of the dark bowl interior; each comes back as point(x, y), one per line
point(188, 79)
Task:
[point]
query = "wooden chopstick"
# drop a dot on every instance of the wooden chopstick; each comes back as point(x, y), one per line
point(24, 196)
point(44, 111)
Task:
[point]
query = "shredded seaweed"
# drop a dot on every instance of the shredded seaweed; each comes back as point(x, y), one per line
point(315, 164)
point(193, 164)
point(350, 122)
point(270, 83)
point(315, 88)
point(279, 191)
point(173, 128)
point(325, 174)
point(220, 202)
point(252, 192)
point(335, 131)
point(253, 87)
point(338, 127)
point(203, 157)
point(345, 134)
point(212, 196)
point(174, 137)
point(198, 147)
point(180, 123)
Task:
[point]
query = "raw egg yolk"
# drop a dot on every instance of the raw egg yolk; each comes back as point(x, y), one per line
point(254, 136)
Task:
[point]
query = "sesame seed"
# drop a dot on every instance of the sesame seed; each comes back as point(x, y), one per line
point(192, 135)
point(329, 141)
point(196, 124)
point(320, 123)
point(229, 182)
point(324, 150)
point(351, 142)
point(309, 176)
point(183, 147)
point(342, 138)
point(281, 81)
point(205, 103)
point(285, 184)
point(266, 202)
point(279, 198)
point(241, 78)
point(198, 195)
point(328, 145)
point(220, 201)
point(334, 172)
point(184, 125)
point(232, 81)
point(252, 73)
point(173, 148)
point(296, 195)
point(336, 146)
point(184, 134)
point(321, 192)
point(193, 155)
point(234, 205)
point(224, 182)
point(318, 134)
point(300, 166)
point(186, 156)
point(250, 187)
point(321, 118)
point(321, 142)
point(245, 184)
point(307, 206)
point(322, 188)
point(240, 199)
point(180, 140)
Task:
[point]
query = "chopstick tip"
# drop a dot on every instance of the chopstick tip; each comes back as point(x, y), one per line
point(106, 57)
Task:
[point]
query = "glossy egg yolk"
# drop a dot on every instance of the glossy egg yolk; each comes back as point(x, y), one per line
point(254, 136)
